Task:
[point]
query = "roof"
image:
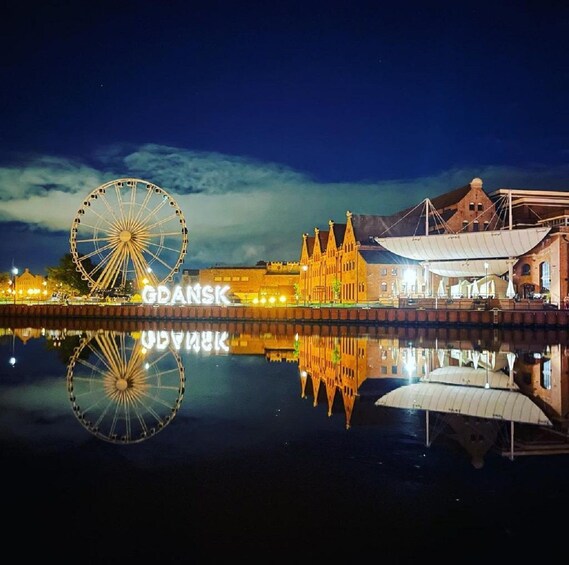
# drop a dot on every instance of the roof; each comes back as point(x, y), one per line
point(383, 257)
point(339, 232)
point(310, 244)
point(323, 238)
point(450, 198)
point(367, 226)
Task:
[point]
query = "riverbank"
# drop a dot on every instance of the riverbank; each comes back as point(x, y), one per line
point(528, 318)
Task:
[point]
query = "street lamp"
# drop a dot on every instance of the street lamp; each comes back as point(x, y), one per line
point(14, 273)
point(486, 277)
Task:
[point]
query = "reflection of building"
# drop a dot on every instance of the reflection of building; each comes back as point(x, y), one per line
point(275, 348)
point(544, 375)
point(338, 367)
point(266, 283)
point(485, 400)
point(482, 405)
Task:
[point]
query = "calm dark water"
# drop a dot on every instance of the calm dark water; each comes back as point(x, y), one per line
point(184, 445)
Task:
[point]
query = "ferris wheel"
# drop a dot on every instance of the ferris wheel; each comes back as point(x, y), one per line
point(121, 392)
point(128, 233)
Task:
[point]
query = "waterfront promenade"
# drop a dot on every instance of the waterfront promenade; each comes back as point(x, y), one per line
point(367, 316)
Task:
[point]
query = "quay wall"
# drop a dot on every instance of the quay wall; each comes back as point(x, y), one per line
point(545, 318)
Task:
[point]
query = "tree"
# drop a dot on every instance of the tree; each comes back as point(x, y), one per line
point(67, 278)
point(296, 287)
point(336, 288)
point(5, 283)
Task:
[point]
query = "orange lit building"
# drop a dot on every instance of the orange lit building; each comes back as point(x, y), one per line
point(346, 264)
point(273, 283)
point(29, 287)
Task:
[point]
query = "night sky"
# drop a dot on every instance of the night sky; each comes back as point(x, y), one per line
point(265, 120)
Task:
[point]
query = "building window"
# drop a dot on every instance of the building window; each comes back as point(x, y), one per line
point(475, 225)
point(546, 374)
point(544, 277)
point(471, 206)
point(234, 278)
point(226, 279)
point(394, 272)
point(464, 225)
point(480, 207)
point(486, 225)
point(383, 272)
point(217, 279)
point(244, 278)
point(383, 287)
point(526, 269)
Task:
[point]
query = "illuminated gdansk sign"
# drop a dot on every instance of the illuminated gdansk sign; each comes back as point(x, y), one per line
point(197, 294)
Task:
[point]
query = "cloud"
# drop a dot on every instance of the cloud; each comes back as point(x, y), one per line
point(238, 210)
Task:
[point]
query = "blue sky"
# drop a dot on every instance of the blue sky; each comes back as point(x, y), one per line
point(265, 121)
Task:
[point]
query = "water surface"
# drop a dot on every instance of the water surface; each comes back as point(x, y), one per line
point(214, 442)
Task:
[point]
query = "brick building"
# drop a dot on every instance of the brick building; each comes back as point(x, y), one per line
point(346, 264)
point(265, 283)
point(29, 287)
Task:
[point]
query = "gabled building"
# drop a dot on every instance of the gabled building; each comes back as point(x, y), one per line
point(363, 264)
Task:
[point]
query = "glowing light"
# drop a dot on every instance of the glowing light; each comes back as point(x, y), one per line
point(195, 294)
point(410, 276)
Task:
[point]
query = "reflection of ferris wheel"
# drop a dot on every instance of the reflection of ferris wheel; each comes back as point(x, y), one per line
point(119, 391)
point(128, 233)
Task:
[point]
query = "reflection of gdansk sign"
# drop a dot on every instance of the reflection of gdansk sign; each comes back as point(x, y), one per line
point(206, 341)
point(196, 294)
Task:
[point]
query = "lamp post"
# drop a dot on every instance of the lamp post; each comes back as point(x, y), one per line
point(14, 273)
point(486, 277)
point(305, 270)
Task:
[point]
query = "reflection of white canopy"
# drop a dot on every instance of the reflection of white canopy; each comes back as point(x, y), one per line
point(470, 268)
point(471, 377)
point(508, 405)
point(466, 245)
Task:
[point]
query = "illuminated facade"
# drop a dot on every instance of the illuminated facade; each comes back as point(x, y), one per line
point(29, 287)
point(346, 264)
point(273, 283)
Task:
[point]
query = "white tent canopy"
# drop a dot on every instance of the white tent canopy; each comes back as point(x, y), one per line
point(467, 245)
